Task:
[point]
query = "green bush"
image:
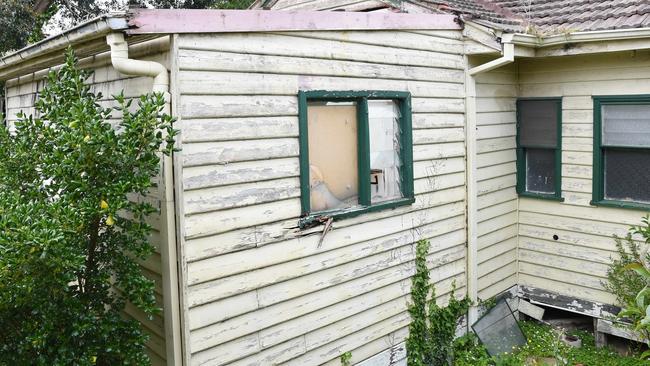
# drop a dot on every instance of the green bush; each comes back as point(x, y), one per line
point(638, 309)
point(626, 284)
point(72, 225)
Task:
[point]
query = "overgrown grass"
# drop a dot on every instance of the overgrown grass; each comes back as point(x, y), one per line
point(543, 341)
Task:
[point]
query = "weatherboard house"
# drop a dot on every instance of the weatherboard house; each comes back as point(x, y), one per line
point(318, 146)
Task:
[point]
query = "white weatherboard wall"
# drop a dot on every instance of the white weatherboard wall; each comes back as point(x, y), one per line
point(21, 95)
point(256, 292)
point(576, 263)
point(496, 93)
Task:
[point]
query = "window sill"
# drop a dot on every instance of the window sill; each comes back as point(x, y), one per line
point(352, 212)
point(541, 196)
point(622, 204)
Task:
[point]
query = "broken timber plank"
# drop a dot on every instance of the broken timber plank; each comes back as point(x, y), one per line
point(608, 327)
point(531, 310)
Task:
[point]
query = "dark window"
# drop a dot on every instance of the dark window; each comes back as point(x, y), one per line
point(622, 151)
point(356, 152)
point(539, 147)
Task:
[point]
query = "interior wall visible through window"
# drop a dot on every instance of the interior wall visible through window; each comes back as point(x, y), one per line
point(333, 169)
point(355, 151)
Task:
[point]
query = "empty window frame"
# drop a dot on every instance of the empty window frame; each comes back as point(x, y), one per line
point(539, 147)
point(356, 152)
point(622, 151)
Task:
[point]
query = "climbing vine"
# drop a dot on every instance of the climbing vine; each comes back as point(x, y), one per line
point(432, 327)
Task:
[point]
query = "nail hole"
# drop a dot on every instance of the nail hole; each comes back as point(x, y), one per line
point(555, 237)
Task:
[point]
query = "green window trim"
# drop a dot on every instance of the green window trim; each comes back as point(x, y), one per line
point(363, 135)
point(521, 155)
point(598, 187)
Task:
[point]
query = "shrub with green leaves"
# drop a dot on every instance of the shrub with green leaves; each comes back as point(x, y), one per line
point(626, 284)
point(73, 225)
point(432, 328)
point(638, 309)
point(620, 281)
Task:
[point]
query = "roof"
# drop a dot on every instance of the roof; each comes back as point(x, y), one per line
point(558, 16)
point(143, 24)
point(520, 16)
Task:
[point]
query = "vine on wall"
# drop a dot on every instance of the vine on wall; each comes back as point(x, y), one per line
point(432, 327)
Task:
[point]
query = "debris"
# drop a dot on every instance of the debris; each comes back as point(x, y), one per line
point(531, 310)
point(326, 229)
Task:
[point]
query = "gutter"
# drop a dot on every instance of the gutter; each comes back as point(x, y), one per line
point(508, 57)
point(529, 40)
point(92, 29)
point(119, 51)
point(472, 169)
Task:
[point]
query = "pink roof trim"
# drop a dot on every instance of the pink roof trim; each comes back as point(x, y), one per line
point(148, 21)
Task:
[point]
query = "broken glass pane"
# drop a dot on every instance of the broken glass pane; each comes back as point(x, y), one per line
point(385, 163)
point(540, 171)
point(626, 125)
point(538, 123)
point(332, 140)
point(627, 175)
point(498, 330)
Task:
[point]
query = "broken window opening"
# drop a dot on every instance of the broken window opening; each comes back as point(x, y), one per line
point(356, 153)
point(333, 170)
point(385, 148)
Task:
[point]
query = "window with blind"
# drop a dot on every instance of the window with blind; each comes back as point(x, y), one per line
point(622, 151)
point(539, 147)
point(355, 152)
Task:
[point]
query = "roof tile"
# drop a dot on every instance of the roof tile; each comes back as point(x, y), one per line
point(557, 15)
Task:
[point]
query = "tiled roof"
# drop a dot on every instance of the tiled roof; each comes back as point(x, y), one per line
point(530, 16)
point(554, 16)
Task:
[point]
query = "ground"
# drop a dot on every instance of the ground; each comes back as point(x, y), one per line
point(544, 348)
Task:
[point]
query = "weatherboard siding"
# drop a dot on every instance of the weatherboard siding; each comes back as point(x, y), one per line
point(22, 94)
point(575, 263)
point(260, 291)
point(496, 93)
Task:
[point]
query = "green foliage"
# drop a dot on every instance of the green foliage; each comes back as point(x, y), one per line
point(72, 228)
point(632, 285)
point(468, 351)
point(625, 285)
point(543, 342)
point(20, 24)
point(443, 322)
point(431, 332)
point(417, 341)
point(487, 304)
point(346, 359)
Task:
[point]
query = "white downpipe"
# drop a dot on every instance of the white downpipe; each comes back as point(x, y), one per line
point(508, 57)
point(472, 184)
point(171, 308)
point(122, 63)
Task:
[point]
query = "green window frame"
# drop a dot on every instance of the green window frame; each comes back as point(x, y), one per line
point(522, 150)
point(363, 151)
point(598, 188)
